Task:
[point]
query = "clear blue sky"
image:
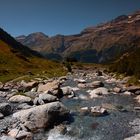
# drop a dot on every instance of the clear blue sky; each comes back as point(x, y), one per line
point(53, 17)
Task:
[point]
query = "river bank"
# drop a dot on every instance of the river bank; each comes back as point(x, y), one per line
point(85, 105)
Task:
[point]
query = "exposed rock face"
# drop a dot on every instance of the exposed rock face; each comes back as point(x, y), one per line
point(94, 44)
point(41, 116)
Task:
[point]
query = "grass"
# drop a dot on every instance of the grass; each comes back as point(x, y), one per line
point(129, 65)
point(14, 65)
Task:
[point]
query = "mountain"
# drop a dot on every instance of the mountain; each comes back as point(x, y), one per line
point(94, 44)
point(34, 40)
point(17, 60)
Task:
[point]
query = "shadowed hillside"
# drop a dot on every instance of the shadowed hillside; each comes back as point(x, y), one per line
point(17, 60)
point(128, 63)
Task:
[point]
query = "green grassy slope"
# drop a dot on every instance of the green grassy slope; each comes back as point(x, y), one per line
point(13, 64)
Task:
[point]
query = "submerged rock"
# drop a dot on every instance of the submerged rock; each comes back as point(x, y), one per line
point(85, 110)
point(98, 111)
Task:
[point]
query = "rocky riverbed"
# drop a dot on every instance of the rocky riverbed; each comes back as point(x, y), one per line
point(85, 105)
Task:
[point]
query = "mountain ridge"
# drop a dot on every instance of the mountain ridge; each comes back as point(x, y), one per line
point(98, 44)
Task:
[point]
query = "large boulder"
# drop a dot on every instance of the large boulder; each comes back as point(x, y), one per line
point(5, 109)
point(20, 99)
point(98, 92)
point(42, 116)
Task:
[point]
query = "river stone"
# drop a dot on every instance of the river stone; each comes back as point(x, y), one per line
point(137, 92)
point(81, 85)
point(47, 97)
point(20, 99)
point(117, 89)
point(7, 138)
point(61, 129)
point(98, 92)
point(52, 87)
point(81, 81)
point(133, 89)
point(28, 86)
point(138, 98)
point(98, 111)
point(31, 94)
point(62, 79)
point(99, 73)
point(5, 109)
point(127, 93)
point(41, 116)
point(84, 110)
point(15, 133)
point(95, 84)
point(23, 106)
point(1, 116)
point(135, 137)
point(67, 90)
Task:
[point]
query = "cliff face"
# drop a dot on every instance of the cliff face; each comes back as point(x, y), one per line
point(94, 44)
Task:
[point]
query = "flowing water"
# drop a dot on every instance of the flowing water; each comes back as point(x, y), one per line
point(115, 126)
